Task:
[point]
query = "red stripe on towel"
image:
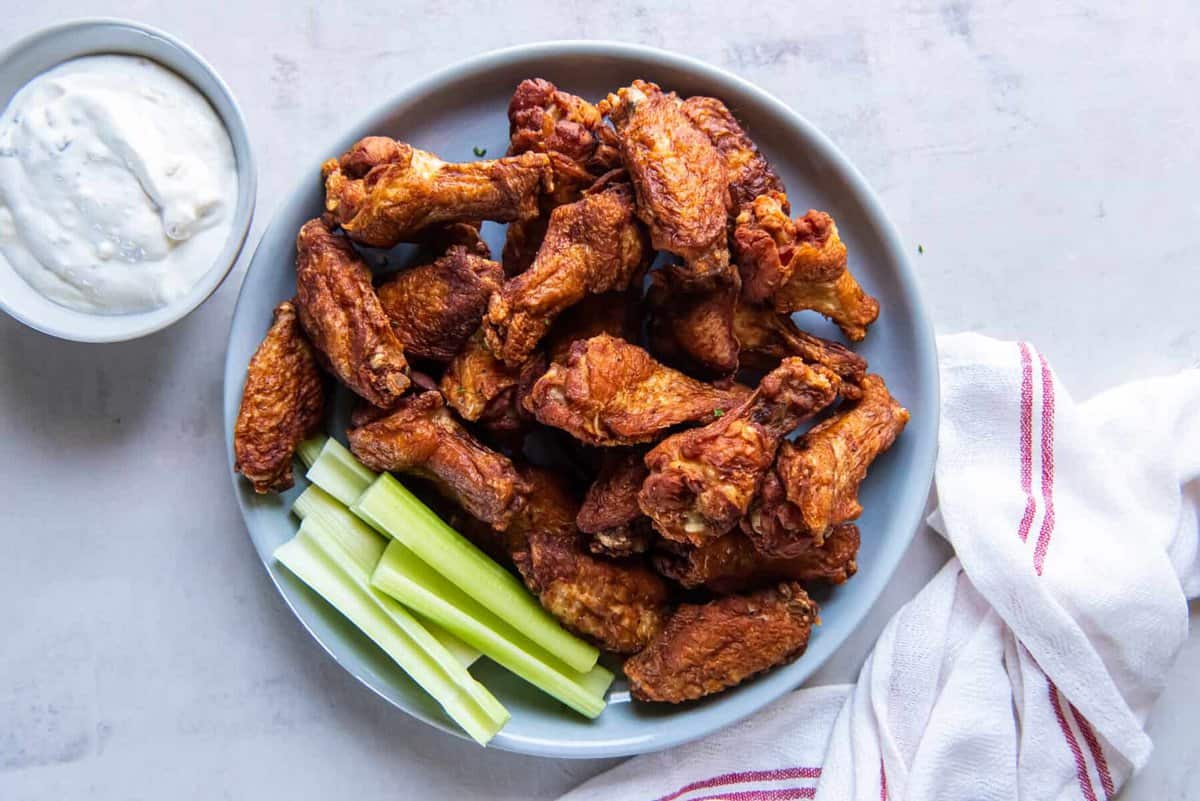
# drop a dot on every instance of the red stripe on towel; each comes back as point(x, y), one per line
point(745, 776)
point(1093, 744)
point(1085, 782)
point(1026, 441)
point(1043, 541)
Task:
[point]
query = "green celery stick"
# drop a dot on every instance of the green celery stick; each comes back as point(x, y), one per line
point(389, 507)
point(340, 474)
point(308, 450)
point(404, 576)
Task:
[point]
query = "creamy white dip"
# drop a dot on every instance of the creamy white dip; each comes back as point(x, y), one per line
point(117, 184)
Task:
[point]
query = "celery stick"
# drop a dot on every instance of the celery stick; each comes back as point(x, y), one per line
point(340, 474)
point(365, 546)
point(404, 576)
point(310, 449)
point(389, 507)
point(304, 557)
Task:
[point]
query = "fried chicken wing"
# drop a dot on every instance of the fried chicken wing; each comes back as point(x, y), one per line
point(767, 337)
point(436, 307)
point(730, 563)
point(747, 169)
point(570, 130)
point(694, 327)
point(343, 318)
point(283, 401)
point(485, 390)
point(594, 245)
point(383, 192)
point(610, 511)
point(799, 264)
point(704, 649)
point(612, 313)
point(609, 392)
point(819, 474)
point(682, 188)
point(702, 481)
point(420, 436)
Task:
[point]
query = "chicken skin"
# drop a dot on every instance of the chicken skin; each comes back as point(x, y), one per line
point(766, 337)
point(703, 480)
point(609, 392)
point(484, 390)
point(612, 313)
point(343, 318)
point(283, 401)
point(435, 308)
point(570, 130)
point(819, 474)
point(383, 192)
point(694, 327)
point(704, 649)
point(594, 245)
point(799, 264)
point(610, 511)
point(420, 436)
point(747, 170)
point(682, 189)
point(730, 563)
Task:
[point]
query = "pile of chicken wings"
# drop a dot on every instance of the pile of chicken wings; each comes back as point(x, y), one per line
point(620, 436)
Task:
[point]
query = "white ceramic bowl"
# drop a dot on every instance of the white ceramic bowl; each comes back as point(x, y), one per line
point(46, 49)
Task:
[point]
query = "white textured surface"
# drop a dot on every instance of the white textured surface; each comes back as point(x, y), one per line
point(1042, 154)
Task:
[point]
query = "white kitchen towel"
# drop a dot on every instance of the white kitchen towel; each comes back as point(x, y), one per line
point(1026, 668)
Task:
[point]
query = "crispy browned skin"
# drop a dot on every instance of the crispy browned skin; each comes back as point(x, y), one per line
point(682, 189)
point(283, 400)
point(610, 511)
point(612, 313)
point(748, 172)
point(693, 327)
point(383, 192)
point(483, 389)
point(544, 119)
point(342, 316)
point(820, 473)
point(708, 648)
point(767, 337)
point(421, 437)
point(436, 307)
point(609, 392)
point(702, 481)
point(730, 563)
point(593, 245)
point(799, 264)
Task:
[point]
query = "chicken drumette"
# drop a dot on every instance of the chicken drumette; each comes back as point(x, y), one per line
point(814, 485)
point(609, 392)
point(702, 481)
point(343, 318)
point(383, 192)
point(706, 648)
point(283, 400)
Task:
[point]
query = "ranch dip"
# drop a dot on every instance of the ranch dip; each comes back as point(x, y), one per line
point(117, 184)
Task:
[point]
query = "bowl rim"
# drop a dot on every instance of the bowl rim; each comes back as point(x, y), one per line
point(909, 513)
point(245, 166)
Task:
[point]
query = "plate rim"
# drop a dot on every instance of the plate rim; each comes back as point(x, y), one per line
point(908, 518)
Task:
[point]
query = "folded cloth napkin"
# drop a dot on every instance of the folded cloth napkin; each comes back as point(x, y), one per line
point(1028, 665)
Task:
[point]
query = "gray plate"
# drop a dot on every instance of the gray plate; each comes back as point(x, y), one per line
point(464, 107)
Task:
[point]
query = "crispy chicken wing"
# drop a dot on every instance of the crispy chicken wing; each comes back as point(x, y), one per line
point(485, 390)
point(708, 648)
point(593, 245)
point(748, 172)
point(730, 563)
point(799, 264)
point(767, 337)
point(342, 316)
point(544, 119)
point(820, 473)
point(610, 511)
point(693, 327)
point(283, 400)
point(436, 307)
point(612, 313)
point(420, 436)
point(682, 189)
point(383, 192)
point(702, 481)
point(609, 392)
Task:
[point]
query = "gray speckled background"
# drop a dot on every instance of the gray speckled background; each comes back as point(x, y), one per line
point(1044, 156)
